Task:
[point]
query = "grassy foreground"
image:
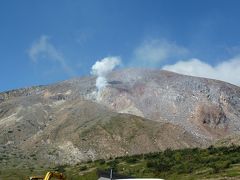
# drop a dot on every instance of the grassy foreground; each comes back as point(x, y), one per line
point(210, 163)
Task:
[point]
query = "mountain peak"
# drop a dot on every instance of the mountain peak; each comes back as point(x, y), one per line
point(140, 110)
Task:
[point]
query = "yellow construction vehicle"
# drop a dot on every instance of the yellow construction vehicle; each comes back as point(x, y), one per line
point(48, 176)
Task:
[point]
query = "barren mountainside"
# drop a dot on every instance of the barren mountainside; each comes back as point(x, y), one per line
point(139, 111)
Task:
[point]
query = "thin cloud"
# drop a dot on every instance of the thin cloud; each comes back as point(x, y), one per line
point(44, 49)
point(153, 52)
point(228, 70)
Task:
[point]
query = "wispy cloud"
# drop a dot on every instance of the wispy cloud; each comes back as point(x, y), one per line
point(228, 70)
point(154, 52)
point(42, 48)
point(160, 53)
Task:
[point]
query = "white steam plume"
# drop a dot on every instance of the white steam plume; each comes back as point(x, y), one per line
point(102, 68)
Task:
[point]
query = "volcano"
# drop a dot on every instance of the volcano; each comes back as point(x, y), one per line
point(139, 111)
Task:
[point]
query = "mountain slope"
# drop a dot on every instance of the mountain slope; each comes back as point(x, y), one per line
point(208, 108)
point(139, 111)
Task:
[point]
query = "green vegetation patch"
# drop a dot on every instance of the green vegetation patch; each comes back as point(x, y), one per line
point(196, 163)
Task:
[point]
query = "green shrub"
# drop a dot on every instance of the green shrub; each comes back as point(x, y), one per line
point(60, 168)
point(220, 165)
point(101, 161)
point(83, 168)
point(131, 160)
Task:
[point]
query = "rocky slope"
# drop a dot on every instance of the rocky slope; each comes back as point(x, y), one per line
point(207, 108)
point(139, 111)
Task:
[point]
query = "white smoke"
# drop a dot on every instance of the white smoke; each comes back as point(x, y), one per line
point(102, 68)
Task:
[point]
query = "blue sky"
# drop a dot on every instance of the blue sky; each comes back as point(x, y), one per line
point(42, 42)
